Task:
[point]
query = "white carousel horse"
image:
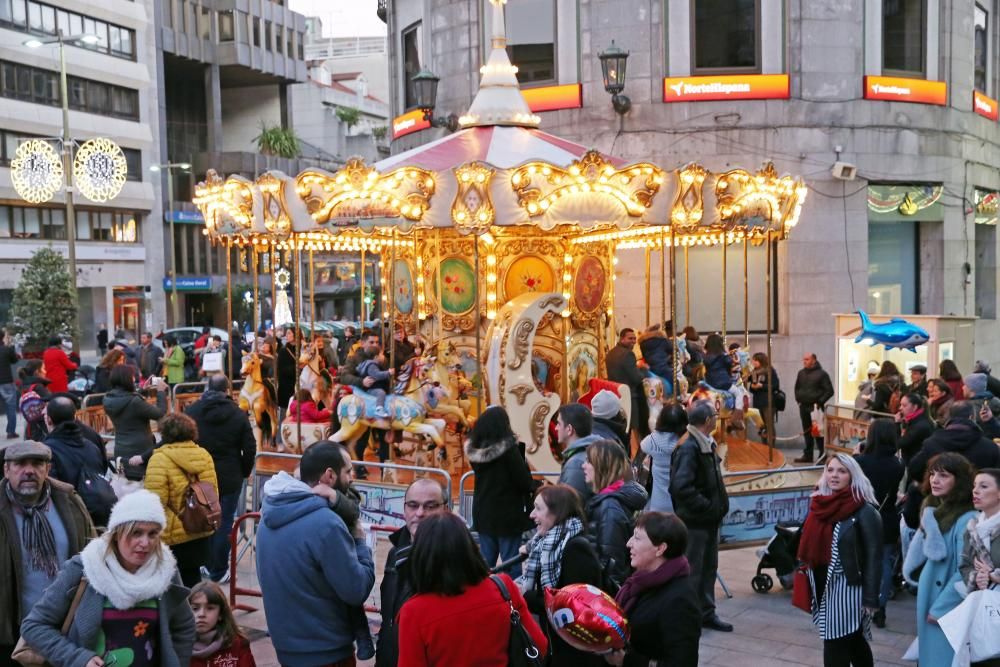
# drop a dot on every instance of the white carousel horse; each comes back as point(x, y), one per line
point(733, 405)
point(438, 369)
point(659, 390)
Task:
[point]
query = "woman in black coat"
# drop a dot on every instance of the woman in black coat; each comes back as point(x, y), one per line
point(559, 555)
point(887, 382)
point(504, 487)
point(885, 471)
point(659, 600)
point(288, 369)
point(762, 375)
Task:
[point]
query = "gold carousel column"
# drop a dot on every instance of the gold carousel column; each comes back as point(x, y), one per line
point(274, 319)
point(256, 292)
point(673, 309)
point(648, 287)
point(770, 388)
point(437, 284)
point(746, 293)
point(725, 284)
point(479, 326)
point(687, 287)
point(229, 293)
point(300, 347)
point(391, 334)
point(663, 279)
point(312, 289)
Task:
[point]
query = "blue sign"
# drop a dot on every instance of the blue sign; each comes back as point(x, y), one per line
point(184, 217)
point(189, 283)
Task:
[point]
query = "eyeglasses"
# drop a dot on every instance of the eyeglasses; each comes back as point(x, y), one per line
point(428, 507)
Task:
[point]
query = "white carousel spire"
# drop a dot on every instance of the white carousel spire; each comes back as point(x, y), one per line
point(499, 100)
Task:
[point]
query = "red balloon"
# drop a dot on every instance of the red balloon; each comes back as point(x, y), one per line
point(587, 618)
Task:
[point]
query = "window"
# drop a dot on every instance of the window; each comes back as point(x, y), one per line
point(46, 19)
point(411, 63)
point(268, 43)
point(301, 44)
point(226, 27)
point(167, 8)
point(41, 86)
point(986, 253)
point(531, 31)
point(242, 28)
point(289, 51)
point(205, 23)
point(133, 159)
point(982, 49)
point(904, 27)
point(725, 35)
point(256, 30)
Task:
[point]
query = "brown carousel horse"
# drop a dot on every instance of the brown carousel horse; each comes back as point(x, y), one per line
point(258, 398)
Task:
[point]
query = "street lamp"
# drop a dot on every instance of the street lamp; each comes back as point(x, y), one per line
point(67, 147)
point(425, 85)
point(169, 168)
point(613, 61)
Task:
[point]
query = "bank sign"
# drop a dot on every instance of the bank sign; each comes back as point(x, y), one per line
point(729, 87)
point(897, 89)
point(189, 284)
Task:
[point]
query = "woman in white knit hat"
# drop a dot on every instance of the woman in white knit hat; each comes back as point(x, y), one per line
point(133, 610)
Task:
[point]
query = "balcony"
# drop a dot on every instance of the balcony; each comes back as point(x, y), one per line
point(383, 10)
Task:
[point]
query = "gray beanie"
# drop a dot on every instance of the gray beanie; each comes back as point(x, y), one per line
point(976, 382)
point(981, 367)
point(605, 405)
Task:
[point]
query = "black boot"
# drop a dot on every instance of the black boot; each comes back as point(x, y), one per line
point(879, 618)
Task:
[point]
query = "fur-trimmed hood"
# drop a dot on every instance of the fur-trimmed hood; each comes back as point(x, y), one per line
point(489, 450)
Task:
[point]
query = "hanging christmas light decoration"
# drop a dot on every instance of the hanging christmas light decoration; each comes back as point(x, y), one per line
point(36, 171)
point(100, 169)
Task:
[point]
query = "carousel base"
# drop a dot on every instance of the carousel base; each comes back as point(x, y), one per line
point(740, 455)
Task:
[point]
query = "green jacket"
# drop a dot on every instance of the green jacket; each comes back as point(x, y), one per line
point(174, 365)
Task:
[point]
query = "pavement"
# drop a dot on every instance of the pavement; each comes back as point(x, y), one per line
point(768, 630)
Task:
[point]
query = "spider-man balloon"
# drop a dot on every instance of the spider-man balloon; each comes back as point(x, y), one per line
point(587, 618)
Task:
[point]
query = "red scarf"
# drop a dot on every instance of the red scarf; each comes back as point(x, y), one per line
point(817, 533)
point(640, 582)
point(914, 415)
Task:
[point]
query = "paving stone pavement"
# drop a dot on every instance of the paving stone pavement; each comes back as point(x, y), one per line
point(769, 632)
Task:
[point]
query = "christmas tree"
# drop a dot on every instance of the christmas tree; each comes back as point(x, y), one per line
point(44, 302)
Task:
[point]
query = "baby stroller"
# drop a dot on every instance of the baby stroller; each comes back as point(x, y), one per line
point(778, 554)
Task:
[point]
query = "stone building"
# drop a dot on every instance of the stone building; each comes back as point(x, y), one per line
point(902, 90)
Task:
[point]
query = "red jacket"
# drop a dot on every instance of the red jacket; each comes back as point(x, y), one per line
point(469, 629)
point(237, 655)
point(310, 414)
point(57, 364)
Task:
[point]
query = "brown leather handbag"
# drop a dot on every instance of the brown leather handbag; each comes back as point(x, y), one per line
point(28, 656)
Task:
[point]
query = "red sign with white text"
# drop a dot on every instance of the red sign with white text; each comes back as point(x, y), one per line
point(729, 87)
point(409, 122)
point(984, 106)
point(898, 89)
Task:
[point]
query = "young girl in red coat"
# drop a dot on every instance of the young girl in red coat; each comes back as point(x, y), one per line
point(219, 642)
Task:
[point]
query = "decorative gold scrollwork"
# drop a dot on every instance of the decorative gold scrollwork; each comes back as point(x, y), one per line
point(762, 201)
point(539, 185)
point(472, 209)
point(227, 206)
point(522, 331)
point(688, 207)
point(521, 392)
point(538, 420)
point(272, 191)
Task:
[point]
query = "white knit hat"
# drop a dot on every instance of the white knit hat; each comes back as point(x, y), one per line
point(140, 505)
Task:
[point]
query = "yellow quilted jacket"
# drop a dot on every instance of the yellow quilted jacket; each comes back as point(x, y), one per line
point(166, 476)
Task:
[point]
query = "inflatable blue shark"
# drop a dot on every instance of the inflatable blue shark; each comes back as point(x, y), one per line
point(894, 333)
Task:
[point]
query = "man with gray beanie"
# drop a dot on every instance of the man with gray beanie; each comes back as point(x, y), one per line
point(42, 524)
point(609, 418)
point(977, 393)
point(992, 383)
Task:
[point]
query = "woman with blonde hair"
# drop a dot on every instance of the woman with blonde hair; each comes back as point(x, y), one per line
point(611, 511)
point(132, 609)
point(841, 550)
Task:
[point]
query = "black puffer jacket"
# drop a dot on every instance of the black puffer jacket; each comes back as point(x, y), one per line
point(611, 519)
point(287, 370)
point(225, 431)
point(961, 436)
point(131, 414)
point(696, 485)
point(504, 487)
point(614, 429)
point(914, 433)
point(73, 452)
point(396, 589)
point(885, 387)
point(860, 546)
point(813, 386)
point(885, 472)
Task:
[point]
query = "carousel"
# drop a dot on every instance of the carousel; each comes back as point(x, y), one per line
point(498, 251)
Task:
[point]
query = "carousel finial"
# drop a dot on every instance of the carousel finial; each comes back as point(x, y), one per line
point(499, 100)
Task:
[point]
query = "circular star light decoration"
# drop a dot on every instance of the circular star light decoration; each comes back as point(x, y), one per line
point(100, 169)
point(282, 278)
point(36, 171)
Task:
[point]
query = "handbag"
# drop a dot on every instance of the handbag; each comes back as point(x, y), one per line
point(802, 590)
point(521, 649)
point(120, 484)
point(29, 657)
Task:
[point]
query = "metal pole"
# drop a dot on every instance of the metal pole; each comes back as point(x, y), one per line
point(297, 317)
point(312, 290)
point(746, 292)
point(770, 362)
point(278, 342)
point(648, 288)
point(363, 288)
point(673, 309)
point(67, 148)
point(663, 280)
point(256, 294)
point(174, 305)
point(479, 333)
point(725, 265)
point(687, 289)
point(437, 282)
point(392, 303)
point(229, 295)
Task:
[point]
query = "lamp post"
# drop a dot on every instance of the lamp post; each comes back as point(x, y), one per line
point(425, 84)
point(169, 168)
point(67, 148)
point(613, 62)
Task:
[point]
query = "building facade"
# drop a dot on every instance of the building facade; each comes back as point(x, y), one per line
point(903, 91)
point(112, 93)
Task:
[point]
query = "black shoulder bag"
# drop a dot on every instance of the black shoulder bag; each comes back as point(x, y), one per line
point(521, 649)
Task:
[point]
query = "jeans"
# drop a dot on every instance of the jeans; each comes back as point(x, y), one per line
point(852, 650)
point(890, 554)
point(8, 394)
point(703, 557)
point(218, 560)
point(505, 547)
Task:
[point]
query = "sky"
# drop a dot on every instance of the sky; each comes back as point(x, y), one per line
point(343, 18)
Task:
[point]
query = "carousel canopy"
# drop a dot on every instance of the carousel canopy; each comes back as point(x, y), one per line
point(500, 171)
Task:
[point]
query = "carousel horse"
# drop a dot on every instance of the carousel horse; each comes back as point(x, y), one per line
point(357, 413)
point(733, 406)
point(258, 398)
point(439, 369)
point(658, 391)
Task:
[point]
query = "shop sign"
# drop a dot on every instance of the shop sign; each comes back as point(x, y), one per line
point(189, 283)
point(184, 217)
point(984, 106)
point(551, 98)
point(896, 89)
point(729, 87)
point(408, 123)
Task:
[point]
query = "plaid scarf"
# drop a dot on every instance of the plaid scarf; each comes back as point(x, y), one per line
point(36, 531)
point(545, 554)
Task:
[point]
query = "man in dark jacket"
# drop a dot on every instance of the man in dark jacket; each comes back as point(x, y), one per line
point(992, 383)
point(915, 425)
point(74, 451)
point(918, 380)
point(225, 431)
point(812, 389)
point(961, 435)
point(423, 498)
point(976, 389)
point(31, 503)
point(700, 500)
point(574, 431)
point(150, 356)
point(8, 390)
point(623, 369)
